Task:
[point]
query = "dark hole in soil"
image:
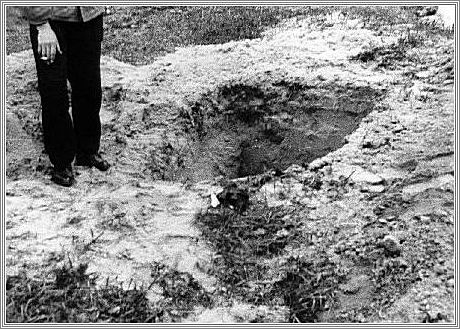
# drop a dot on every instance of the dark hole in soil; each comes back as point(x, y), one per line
point(245, 130)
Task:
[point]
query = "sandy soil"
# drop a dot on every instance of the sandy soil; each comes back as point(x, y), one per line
point(398, 166)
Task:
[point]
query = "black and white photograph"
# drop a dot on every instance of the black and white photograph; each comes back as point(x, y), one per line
point(238, 163)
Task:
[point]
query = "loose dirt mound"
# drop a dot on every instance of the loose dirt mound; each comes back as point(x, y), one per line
point(373, 214)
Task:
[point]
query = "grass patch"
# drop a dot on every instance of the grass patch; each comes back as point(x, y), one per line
point(253, 266)
point(376, 17)
point(414, 33)
point(71, 296)
point(17, 30)
point(139, 35)
point(181, 292)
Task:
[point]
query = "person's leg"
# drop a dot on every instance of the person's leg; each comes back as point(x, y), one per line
point(59, 137)
point(84, 48)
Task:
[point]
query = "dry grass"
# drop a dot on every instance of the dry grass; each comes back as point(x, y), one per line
point(250, 263)
point(71, 296)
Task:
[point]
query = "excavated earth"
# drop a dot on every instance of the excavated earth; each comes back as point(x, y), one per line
point(364, 154)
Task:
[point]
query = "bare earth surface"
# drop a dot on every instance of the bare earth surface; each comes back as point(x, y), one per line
point(384, 209)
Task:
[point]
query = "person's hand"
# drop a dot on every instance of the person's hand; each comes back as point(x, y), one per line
point(48, 44)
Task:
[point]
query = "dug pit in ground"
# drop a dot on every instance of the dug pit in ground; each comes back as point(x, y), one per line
point(242, 130)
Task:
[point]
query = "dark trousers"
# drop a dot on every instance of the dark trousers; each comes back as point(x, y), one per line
point(65, 135)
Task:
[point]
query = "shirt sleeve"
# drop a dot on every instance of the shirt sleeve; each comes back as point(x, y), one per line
point(38, 15)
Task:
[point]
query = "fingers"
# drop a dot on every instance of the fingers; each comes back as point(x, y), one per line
point(43, 51)
point(48, 51)
point(40, 50)
point(52, 52)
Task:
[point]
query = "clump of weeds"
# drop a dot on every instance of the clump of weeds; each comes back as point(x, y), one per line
point(254, 266)
point(181, 293)
point(71, 296)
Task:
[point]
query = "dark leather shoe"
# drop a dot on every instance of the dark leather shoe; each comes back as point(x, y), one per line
point(63, 177)
point(92, 160)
